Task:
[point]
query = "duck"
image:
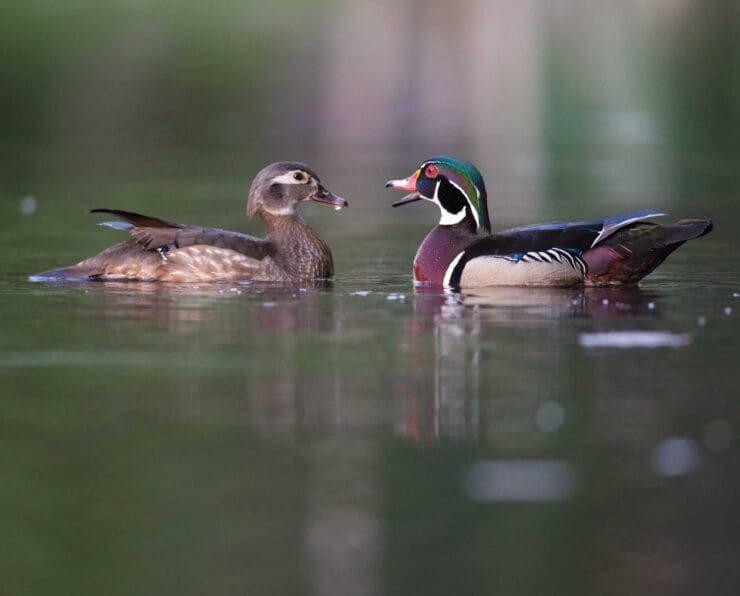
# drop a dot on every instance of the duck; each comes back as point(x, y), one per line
point(615, 250)
point(160, 250)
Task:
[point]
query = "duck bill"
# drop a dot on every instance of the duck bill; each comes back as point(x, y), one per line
point(406, 184)
point(409, 198)
point(324, 196)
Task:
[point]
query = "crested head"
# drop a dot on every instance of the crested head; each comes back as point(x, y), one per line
point(279, 187)
point(455, 185)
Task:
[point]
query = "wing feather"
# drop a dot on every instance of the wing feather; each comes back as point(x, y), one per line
point(153, 233)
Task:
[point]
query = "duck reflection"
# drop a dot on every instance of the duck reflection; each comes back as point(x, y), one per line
point(217, 308)
point(267, 335)
point(442, 389)
point(541, 306)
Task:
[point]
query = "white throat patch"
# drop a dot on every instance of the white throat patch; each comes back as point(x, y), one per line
point(289, 210)
point(446, 218)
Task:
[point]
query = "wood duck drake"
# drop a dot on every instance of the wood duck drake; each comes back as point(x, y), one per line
point(621, 249)
point(165, 251)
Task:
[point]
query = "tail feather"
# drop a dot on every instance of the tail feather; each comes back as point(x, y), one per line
point(694, 228)
point(635, 251)
point(138, 220)
point(71, 273)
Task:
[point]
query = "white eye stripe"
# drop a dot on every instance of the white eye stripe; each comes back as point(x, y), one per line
point(288, 178)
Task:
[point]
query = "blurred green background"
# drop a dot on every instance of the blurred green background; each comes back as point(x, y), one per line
point(260, 440)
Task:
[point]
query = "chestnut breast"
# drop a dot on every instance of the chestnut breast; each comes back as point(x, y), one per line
point(435, 254)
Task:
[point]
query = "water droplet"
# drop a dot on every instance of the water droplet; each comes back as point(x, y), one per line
point(28, 205)
point(651, 305)
point(675, 456)
point(549, 417)
point(605, 301)
point(728, 310)
point(701, 321)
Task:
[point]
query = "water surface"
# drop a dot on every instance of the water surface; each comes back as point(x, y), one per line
point(363, 437)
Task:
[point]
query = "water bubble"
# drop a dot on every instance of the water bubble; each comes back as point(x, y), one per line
point(605, 301)
point(675, 456)
point(549, 417)
point(28, 205)
point(727, 310)
point(651, 305)
point(718, 435)
point(514, 480)
point(701, 321)
point(634, 339)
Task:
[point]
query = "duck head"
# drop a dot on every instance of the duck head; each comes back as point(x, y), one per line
point(454, 185)
point(278, 188)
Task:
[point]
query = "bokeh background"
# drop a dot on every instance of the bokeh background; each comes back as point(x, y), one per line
point(345, 440)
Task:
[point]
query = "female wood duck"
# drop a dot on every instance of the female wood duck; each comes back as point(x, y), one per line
point(165, 251)
point(621, 249)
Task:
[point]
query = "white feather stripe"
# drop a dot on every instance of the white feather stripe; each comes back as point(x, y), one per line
point(470, 202)
point(450, 269)
point(555, 254)
point(610, 229)
point(566, 255)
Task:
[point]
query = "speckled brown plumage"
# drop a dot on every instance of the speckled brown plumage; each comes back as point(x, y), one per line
point(165, 251)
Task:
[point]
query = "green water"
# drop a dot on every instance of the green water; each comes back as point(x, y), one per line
point(362, 437)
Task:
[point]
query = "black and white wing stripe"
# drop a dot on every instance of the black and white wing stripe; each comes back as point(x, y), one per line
point(556, 255)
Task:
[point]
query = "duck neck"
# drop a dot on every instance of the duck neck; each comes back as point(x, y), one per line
point(298, 249)
point(440, 247)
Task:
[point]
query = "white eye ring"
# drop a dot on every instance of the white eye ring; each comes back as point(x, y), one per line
point(292, 177)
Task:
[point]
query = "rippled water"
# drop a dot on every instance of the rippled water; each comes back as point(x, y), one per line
point(363, 436)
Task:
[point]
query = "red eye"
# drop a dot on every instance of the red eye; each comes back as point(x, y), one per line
point(431, 171)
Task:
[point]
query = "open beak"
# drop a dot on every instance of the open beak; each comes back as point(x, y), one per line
point(406, 184)
point(324, 196)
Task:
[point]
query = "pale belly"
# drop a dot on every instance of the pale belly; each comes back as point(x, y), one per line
point(499, 271)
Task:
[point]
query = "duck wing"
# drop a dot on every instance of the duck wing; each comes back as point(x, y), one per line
point(155, 234)
point(575, 237)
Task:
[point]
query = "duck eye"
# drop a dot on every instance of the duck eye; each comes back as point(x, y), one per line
point(431, 171)
point(300, 176)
